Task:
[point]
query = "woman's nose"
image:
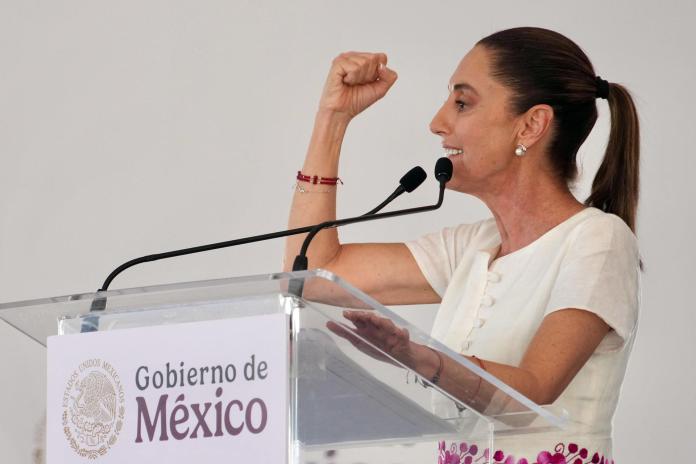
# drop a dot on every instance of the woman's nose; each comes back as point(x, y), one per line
point(438, 125)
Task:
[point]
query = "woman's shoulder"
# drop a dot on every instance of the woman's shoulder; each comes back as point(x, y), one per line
point(597, 237)
point(600, 227)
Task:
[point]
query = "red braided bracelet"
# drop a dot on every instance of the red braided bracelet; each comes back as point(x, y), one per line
point(318, 179)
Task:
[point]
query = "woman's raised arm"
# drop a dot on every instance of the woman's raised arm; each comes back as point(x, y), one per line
point(386, 271)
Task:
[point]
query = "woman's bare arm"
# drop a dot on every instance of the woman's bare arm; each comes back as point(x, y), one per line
point(563, 343)
point(387, 271)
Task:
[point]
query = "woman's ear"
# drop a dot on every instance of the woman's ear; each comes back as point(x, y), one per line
point(536, 123)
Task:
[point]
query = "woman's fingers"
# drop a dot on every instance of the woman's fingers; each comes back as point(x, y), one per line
point(343, 332)
point(362, 68)
point(387, 77)
point(349, 70)
point(379, 330)
point(356, 341)
point(356, 80)
point(366, 318)
point(371, 66)
point(353, 68)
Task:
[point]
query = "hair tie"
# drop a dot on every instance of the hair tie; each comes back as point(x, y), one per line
point(602, 88)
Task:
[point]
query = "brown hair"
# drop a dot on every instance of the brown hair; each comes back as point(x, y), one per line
point(544, 67)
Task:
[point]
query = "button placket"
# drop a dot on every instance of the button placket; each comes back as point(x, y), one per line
point(487, 301)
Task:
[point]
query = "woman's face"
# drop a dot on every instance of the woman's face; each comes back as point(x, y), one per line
point(476, 122)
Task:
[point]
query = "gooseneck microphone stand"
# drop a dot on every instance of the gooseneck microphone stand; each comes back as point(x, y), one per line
point(408, 183)
point(443, 173)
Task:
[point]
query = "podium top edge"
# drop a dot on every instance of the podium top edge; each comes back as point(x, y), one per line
point(320, 273)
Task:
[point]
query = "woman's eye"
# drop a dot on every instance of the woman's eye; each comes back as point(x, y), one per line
point(460, 105)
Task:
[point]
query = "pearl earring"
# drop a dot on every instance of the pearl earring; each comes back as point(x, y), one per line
point(521, 150)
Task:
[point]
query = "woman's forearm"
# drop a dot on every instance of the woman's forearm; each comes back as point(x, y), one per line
point(462, 383)
point(355, 81)
point(318, 202)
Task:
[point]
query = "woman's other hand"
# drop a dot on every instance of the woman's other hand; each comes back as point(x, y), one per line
point(381, 332)
point(355, 81)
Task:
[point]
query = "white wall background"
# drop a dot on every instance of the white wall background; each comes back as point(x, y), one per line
point(131, 127)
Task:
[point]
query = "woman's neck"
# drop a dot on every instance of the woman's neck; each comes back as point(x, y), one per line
point(523, 213)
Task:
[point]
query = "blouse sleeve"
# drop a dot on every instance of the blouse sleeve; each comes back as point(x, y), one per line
point(600, 274)
point(438, 254)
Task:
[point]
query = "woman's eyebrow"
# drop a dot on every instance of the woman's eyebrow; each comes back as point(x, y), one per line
point(462, 86)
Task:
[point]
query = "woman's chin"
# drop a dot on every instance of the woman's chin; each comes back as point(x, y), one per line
point(457, 186)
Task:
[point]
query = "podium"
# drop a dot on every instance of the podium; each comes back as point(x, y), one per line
point(253, 369)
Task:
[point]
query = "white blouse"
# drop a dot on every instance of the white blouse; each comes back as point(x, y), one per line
point(493, 309)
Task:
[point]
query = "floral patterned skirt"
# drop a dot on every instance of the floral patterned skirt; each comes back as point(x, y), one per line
point(572, 453)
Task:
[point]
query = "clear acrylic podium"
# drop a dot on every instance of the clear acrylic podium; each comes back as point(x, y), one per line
point(345, 393)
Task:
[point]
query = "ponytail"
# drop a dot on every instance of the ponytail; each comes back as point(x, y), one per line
point(615, 186)
point(543, 66)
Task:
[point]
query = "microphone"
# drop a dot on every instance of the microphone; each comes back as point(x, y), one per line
point(408, 183)
point(443, 170)
point(443, 173)
point(412, 179)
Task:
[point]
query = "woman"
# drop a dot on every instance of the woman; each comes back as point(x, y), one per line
point(544, 295)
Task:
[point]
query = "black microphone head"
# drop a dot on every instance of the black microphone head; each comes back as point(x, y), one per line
point(443, 170)
point(413, 178)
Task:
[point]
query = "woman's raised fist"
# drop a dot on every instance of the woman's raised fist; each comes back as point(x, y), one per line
point(356, 80)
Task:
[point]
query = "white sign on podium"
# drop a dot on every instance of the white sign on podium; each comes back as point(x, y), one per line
point(194, 392)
